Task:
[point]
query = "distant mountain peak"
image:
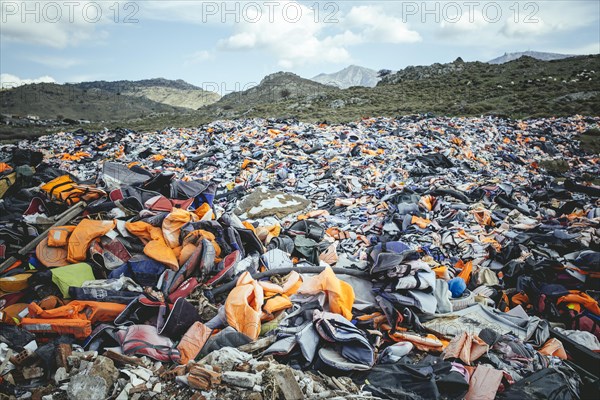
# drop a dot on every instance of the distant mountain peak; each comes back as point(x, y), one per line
point(352, 75)
point(538, 55)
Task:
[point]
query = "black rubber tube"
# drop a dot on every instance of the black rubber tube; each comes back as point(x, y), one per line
point(283, 271)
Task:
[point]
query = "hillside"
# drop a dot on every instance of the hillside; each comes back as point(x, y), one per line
point(192, 99)
point(54, 101)
point(176, 93)
point(352, 75)
point(273, 89)
point(104, 101)
point(522, 88)
point(117, 86)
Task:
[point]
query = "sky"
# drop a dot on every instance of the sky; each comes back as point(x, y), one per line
point(227, 46)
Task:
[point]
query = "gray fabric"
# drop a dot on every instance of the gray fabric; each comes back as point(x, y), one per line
point(115, 175)
point(473, 319)
point(395, 352)
point(442, 295)
point(282, 346)
point(363, 295)
point(276, 258)
point(334, 359)
point(584, 338)
point(485, 276)
point(308, 340)
point(426, 301)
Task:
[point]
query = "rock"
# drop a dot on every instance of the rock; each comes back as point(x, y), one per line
point(84, 365)
point(32, 372)
point(63, 351)
point(358, 101)
point(60, 375)
point(143, 373)
point(201, 396)
point(87, 387)
point(124, 393)
point(242, 379)
point(307, 385)
point(157, 368)
point(133, 378)
point(7, 354)
point(203, 378)
point(578, 96)
point(138, 389)
point(282, 383)
point(339, 103)
point(265, 203)
point(104, 367)
point(227, 358)
point(74, 359)
point(261, 366)
point(178, 370)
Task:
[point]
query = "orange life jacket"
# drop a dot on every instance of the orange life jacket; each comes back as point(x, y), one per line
point(75, 318)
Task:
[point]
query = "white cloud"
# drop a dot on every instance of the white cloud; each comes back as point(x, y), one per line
point(199, 57)
point(523, 29)
point(54, 24)
point(8, 81)
point(197, 12)
point(375, 25)
point(240, 41)
point(519, 26)
point(460, 26)
point(539, 19)
point(293, 42)
point(296, 36)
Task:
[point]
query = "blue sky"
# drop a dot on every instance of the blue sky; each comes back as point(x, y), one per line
point(225, 46)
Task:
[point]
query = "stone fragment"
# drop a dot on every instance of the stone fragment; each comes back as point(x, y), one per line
point(63, 351)
point(226, 358)
point(87, 387)
point(241, 379)
point(32, 372)
point(60, 375)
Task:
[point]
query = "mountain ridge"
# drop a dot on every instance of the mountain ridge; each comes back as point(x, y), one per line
point(522, 88)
